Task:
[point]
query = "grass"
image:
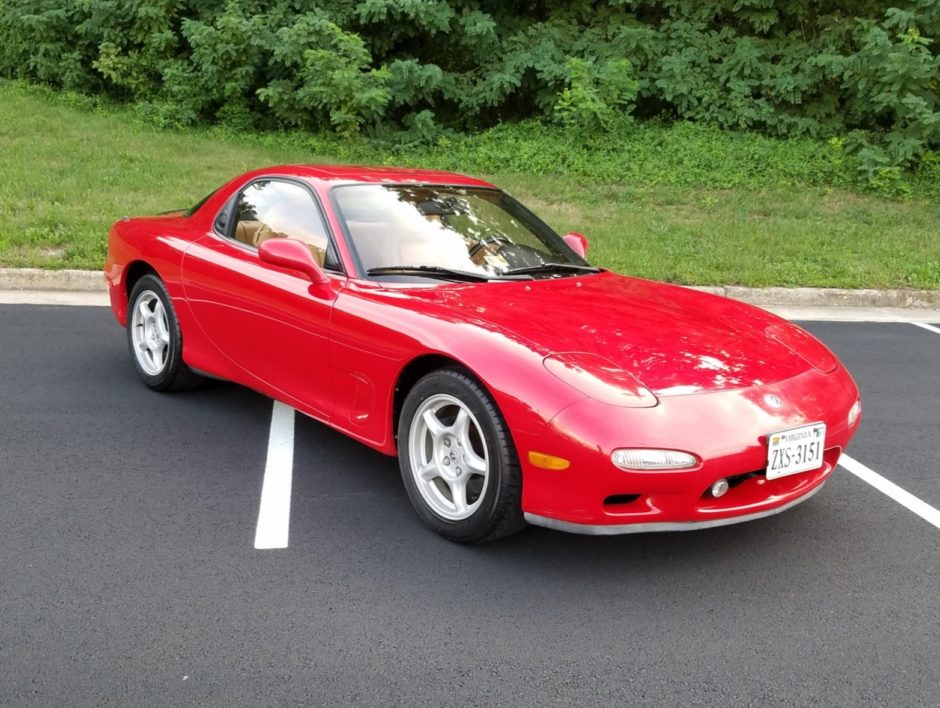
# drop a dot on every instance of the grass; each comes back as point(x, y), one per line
point(683, 204)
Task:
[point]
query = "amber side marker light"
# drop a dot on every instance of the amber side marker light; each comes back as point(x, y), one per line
point(548, 462)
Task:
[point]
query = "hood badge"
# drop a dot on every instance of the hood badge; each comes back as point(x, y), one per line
point(772, 401)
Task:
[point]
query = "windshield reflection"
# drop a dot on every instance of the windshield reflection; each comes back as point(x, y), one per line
point(465, 230)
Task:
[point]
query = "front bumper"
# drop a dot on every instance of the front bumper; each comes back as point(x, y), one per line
point(655, 526)
point(728, 430)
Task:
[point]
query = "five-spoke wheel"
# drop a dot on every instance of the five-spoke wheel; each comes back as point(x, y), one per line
point(154, 338)
point(457, 458)
point(150, 333)
point(449, 457)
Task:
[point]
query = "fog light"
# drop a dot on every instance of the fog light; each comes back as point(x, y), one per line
point(854, 412)
point(719, 488)
point(651, 460)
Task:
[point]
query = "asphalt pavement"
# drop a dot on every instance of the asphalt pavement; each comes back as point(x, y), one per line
point(129, 576)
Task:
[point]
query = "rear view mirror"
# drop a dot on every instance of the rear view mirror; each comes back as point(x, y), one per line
point(576, 242)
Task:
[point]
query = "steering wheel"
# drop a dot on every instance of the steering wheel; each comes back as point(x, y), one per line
point(490, 241)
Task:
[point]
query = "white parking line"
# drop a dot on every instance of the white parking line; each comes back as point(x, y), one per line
point(901, 496)
point(929, 328)
point(274, 513)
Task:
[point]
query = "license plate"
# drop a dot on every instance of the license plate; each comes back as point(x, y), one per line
point(796, 450)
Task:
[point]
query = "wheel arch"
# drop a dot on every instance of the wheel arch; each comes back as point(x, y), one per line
point(134, 271)
point(120, 288)
point(412, 372)
point(503, 513)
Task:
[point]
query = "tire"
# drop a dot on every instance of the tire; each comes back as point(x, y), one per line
point(154, 338)
point(458, 462)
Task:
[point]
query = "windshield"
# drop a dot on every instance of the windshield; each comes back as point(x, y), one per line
point(428, 231)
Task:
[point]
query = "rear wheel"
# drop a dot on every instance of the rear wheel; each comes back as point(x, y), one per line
point(154, 338)
point(457, 459)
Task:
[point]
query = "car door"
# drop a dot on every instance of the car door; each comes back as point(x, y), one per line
point(266, 320)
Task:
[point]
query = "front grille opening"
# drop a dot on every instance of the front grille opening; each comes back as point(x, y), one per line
point(620, 499)
point(737, 479)
point(733, 481)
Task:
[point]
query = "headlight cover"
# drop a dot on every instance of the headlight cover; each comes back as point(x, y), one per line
point(600, 379)
point(652, 460)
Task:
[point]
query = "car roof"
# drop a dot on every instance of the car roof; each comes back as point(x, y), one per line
point(370, 175)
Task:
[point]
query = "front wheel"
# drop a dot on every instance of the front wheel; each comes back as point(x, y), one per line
point(154, 338)
point(457, 459)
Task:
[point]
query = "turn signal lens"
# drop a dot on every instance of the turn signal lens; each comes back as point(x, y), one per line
point(644, 460)
point(854, 412)
point(548, 462)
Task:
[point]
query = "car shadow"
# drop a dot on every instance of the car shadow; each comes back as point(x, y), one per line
point(348, 493)
point(349, 509)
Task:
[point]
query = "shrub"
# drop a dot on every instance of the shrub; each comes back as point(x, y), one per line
point(862, 72)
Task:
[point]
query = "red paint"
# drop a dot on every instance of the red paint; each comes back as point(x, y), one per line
point(334, 347)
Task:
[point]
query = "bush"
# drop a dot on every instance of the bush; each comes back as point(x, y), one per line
point(863, 72)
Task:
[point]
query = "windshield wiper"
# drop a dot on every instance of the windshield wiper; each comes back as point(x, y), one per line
point(552, 268)
point(431, 272)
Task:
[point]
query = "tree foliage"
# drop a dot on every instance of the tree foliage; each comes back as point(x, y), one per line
point(862, 72)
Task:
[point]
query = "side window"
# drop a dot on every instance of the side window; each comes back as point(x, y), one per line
point(276, 209)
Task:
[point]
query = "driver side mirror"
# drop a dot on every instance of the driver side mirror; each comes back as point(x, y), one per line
point(576, 242)
point(288, 253)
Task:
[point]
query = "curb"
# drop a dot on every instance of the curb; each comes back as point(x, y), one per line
point(829, 297)
point(57, 280)
point(93, 281)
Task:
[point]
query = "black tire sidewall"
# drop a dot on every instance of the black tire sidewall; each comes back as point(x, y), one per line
point(499, 449)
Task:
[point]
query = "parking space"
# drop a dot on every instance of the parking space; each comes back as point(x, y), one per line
point(897, 368)
point(130, 573)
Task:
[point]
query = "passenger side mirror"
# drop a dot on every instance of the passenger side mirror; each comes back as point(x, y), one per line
point(288, 253)
point(576, 242)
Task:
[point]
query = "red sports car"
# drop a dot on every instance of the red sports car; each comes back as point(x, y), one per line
point(432, 316)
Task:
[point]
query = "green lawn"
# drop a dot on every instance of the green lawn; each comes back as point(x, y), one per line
point(68, 169)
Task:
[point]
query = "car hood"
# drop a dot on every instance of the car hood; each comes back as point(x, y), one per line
point(674, 340)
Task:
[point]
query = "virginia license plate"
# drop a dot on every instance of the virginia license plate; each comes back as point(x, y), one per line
point(796, 450)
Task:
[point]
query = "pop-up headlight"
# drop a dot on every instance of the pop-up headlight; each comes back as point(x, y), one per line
point(599, 378)
point(804, 345)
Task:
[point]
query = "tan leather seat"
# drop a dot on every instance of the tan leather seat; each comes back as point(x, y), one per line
point(254, 233)
point(319, 254)
point(247, 231)
point(264, 233)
